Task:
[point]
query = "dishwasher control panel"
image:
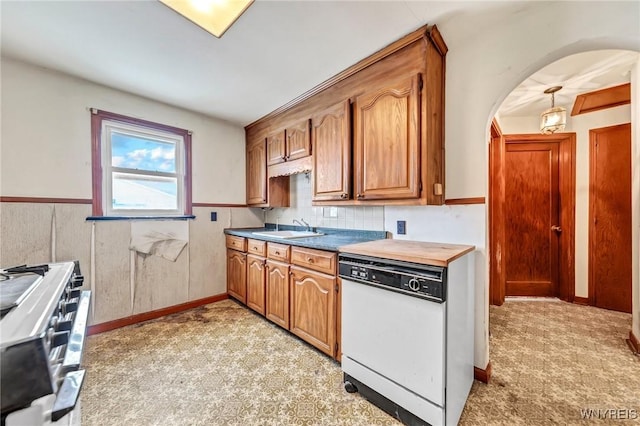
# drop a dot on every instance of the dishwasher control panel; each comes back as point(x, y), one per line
point(423, 281)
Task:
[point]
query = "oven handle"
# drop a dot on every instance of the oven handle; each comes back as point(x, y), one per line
point(68, 394)
point(75, 346)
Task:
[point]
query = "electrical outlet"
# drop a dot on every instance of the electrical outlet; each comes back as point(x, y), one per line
point(214, 216)
point(329, 212)
point(402, 227)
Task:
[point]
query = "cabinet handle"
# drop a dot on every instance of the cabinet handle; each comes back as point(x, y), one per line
point(255, 248)
point(310, 260)
point(290, 272)
point(360, 196)
point(343, 195)
point(278, 253)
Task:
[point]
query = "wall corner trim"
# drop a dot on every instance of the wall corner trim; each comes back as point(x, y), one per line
point(581, 301)
point(482, 375)
point(634, 343)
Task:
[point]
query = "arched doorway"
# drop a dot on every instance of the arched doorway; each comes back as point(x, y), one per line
point(542, 242)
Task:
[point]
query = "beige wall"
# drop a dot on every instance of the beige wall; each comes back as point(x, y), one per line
point(580, 124)
point(46, 152)
point(46, 146)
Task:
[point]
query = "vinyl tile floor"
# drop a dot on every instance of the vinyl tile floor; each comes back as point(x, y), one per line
point(222, 364)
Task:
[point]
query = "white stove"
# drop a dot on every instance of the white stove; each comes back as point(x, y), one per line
point(42, 331)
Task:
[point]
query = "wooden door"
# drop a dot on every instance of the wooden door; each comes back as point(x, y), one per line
point(256, 172)
point(298, 141)
point(237, 275)
point(610, 218)
point(331, 130)
point(276, 150)
point(313, 308)
point(387, 141)
point(532, 219)
point(256, 283)
point(277, 297)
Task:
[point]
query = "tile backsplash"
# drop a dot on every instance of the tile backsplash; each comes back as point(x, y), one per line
point(349, 217)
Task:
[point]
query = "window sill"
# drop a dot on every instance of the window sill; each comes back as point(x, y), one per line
point(106, 218)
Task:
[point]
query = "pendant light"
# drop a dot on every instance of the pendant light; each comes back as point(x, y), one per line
point(555, 118)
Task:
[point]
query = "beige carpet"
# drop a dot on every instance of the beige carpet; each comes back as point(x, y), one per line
point(224, 365)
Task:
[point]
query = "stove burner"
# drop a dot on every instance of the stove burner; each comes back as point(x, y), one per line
point(38, 269)
point(15, 289)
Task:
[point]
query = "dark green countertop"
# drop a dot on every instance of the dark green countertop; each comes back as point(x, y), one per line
point(332, 239)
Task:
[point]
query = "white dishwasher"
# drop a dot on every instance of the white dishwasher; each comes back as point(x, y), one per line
point(407, 334)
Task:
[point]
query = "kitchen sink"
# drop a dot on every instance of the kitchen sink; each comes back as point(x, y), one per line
point(288, 234)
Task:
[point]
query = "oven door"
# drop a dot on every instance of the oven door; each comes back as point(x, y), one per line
point(396, 336)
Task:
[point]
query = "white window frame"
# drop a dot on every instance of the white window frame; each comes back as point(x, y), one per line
point(108, 128)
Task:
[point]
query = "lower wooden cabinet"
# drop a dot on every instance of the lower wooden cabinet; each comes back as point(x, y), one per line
point(237, 275)
point(277, 293)
point(295, 287)
point(313, 308)
point(256, 283)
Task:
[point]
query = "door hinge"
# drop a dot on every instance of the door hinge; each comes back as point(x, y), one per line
point(337, 288)
point(335, 348)
point(420, 83)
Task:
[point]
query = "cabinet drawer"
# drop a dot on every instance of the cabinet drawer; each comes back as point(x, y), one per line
point(257, 247)
point(236, 243)
point(318, 260)
point(278, 251)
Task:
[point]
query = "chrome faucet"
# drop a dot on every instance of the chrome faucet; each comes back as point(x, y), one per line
point(303, 222)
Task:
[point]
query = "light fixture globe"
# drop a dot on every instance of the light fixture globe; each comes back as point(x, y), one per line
point(553, 119)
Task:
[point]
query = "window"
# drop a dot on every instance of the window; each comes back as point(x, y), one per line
point(140, 168)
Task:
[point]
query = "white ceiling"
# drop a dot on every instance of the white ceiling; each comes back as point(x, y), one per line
point(577, 74)
point(276, 51)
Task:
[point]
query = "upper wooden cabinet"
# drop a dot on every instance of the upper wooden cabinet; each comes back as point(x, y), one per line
point(394, 152)
point(276, 149)
point(256, 172)
point(291, 143)
point(386, 142)
point(262, 191)
point(331, 129)
point(298, 139)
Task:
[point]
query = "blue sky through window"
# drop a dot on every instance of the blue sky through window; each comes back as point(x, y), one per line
point(133, 191)
point(143, 154)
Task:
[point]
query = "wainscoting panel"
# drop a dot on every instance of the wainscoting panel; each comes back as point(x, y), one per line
point(25, 233)
point(112, 289)
point(73, 237)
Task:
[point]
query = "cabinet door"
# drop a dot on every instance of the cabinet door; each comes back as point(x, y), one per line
point(331, 130)
point(313, 308)
point(256, 172)
point(237, 275)
point(256, 283)
point(276, 148)
point(387, 141)
point(298, 140)
point(277, 309)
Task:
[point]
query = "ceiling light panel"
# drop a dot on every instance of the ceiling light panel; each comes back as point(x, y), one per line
point(215, 16)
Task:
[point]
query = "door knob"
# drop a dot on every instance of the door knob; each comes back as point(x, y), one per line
point(556, 228)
